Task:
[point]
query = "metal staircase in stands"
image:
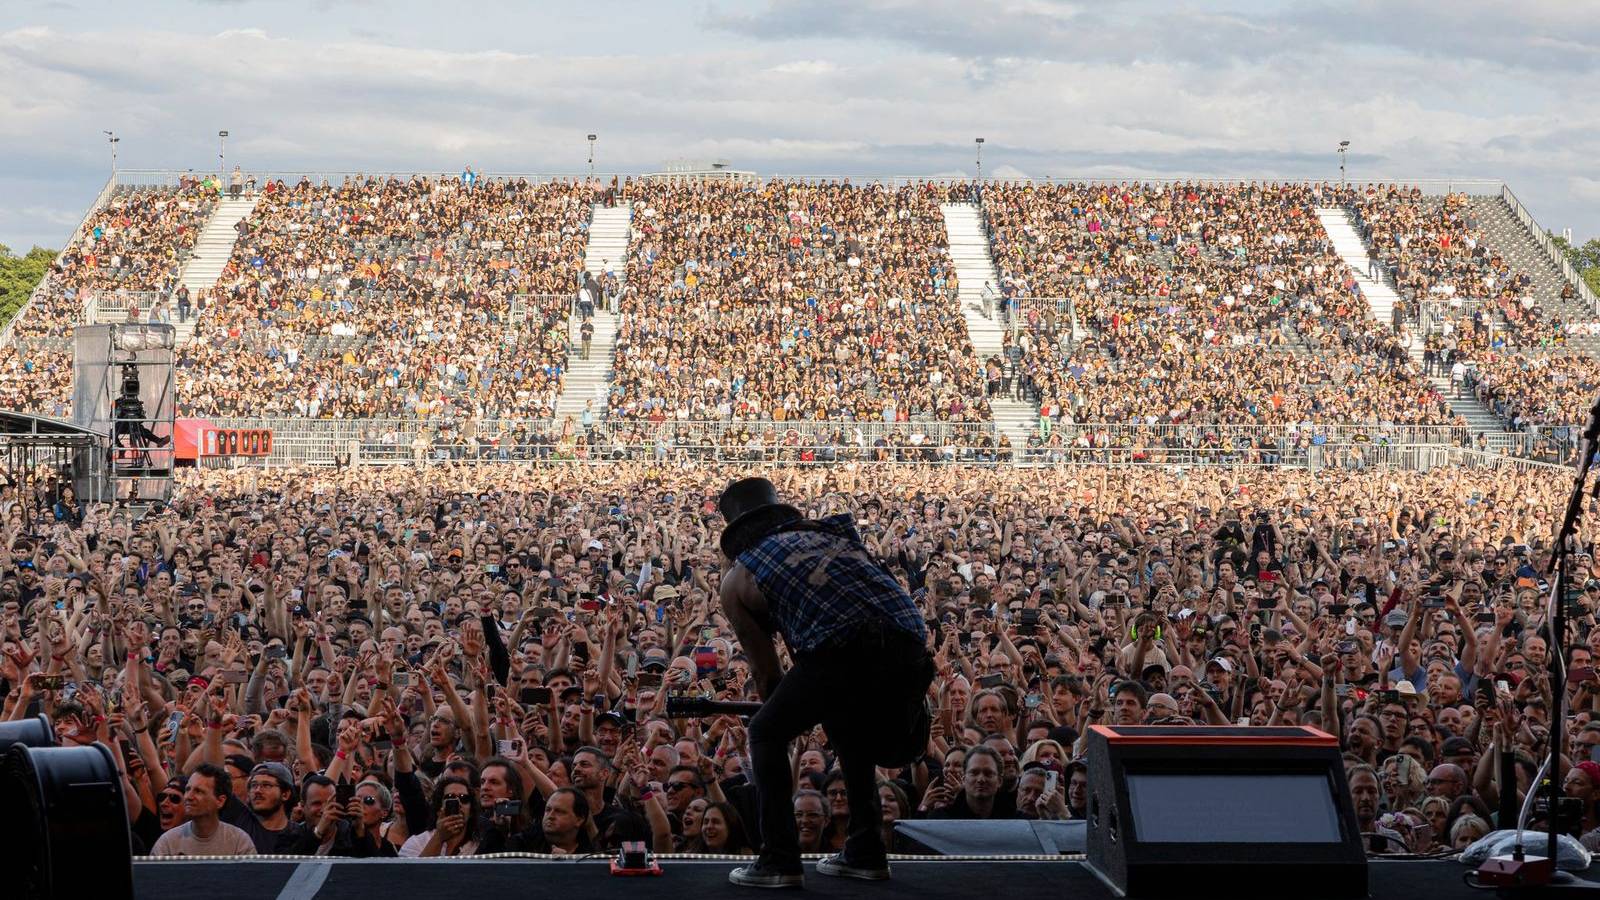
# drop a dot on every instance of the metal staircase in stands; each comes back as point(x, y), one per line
point(974, 262)
point(610, 229)
point(1381, 298)
point(212, 249)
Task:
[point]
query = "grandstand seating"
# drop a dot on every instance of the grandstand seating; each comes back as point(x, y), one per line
point(1485, 295)
point(791, 300)
point(133, 245)
point(386, 297)
point(1204, 303)
point(797, 300)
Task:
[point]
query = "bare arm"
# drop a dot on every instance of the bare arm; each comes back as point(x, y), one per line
point(746, 609)
point(1409, 659)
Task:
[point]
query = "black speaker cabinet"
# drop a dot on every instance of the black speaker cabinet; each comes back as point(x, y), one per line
point(64, 832)
point(1175, 810)
point(34, 731)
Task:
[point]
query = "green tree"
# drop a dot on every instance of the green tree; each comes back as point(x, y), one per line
point(1585, 258)
point(18, 277)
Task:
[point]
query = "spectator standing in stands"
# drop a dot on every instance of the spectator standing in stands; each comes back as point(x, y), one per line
point(586, 330)
point(183, 303)
point(236, 183)
point(587, 295)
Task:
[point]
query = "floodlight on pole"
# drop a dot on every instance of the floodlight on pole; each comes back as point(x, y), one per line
point(112, 139)
point(1343, 145)
point(222, 154)
point(592, 139)
point(978, 142)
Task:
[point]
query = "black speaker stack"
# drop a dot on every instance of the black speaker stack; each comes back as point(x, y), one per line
point(64, 830)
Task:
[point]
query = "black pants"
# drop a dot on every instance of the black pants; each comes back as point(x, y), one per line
point(852, 690)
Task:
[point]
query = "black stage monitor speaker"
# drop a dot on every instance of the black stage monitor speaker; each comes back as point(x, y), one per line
point(1173, 810)
point(64, 831)
point(997, 837)
point(34, 731)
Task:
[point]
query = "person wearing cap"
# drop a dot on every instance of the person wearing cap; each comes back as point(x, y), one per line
point(1582, 783)
point(1460, 752)
point(1219, 671)
point(860, 668)
point(269, 790)
point(665, 594)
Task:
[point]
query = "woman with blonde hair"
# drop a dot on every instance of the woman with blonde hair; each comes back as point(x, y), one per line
point(1403, 781)
point(1046, 752)
point(1436, 812)
point(1467, 829)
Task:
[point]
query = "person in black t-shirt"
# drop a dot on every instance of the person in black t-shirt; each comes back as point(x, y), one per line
point(270, 789)
point(980, 796)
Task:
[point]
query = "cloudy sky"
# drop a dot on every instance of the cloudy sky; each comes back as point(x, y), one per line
point(1466, 89)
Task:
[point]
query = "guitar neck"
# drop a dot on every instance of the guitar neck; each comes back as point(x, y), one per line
point(689, 708)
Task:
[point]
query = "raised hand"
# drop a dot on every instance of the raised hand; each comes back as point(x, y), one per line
point(472, 644)
point(350, 736)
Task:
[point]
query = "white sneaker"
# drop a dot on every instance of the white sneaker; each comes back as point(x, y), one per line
point(837, 866)
point(758, 875)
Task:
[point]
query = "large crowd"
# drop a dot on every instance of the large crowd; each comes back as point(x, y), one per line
point(1433, 250)
point(1472, 309)
point(1536, 389)
point(848, 284)
point(1193, 303)
point(450, 661)
point(386, 297)
point(446, 298)
point(131, 251)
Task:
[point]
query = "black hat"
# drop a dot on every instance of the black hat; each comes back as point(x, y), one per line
point(746, 496)
point(752, 509)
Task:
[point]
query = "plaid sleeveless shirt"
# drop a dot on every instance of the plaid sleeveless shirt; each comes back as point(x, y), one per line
point(822, 585)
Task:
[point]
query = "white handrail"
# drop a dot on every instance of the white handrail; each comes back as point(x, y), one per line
point(6, 334)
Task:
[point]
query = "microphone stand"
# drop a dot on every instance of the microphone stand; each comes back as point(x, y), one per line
point(1561, 565)
point(1516, 876)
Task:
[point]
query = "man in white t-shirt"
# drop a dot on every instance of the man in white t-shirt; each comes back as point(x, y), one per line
point(205, 834)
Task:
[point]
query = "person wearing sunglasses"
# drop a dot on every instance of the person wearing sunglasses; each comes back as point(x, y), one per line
point(371, 818)
point(169, 804)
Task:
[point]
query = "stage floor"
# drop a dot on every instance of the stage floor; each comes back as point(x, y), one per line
point(699, 878)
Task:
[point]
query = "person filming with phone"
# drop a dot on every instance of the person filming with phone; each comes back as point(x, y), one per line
point(860, 667)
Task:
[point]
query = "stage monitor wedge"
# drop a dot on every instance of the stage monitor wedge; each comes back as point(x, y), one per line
point(1172, 808)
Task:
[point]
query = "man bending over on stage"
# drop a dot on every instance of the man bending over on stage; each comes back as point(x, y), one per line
point(860, 667)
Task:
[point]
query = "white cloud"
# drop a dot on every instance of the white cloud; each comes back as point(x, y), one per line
point(844, 86)
point(806, 67)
